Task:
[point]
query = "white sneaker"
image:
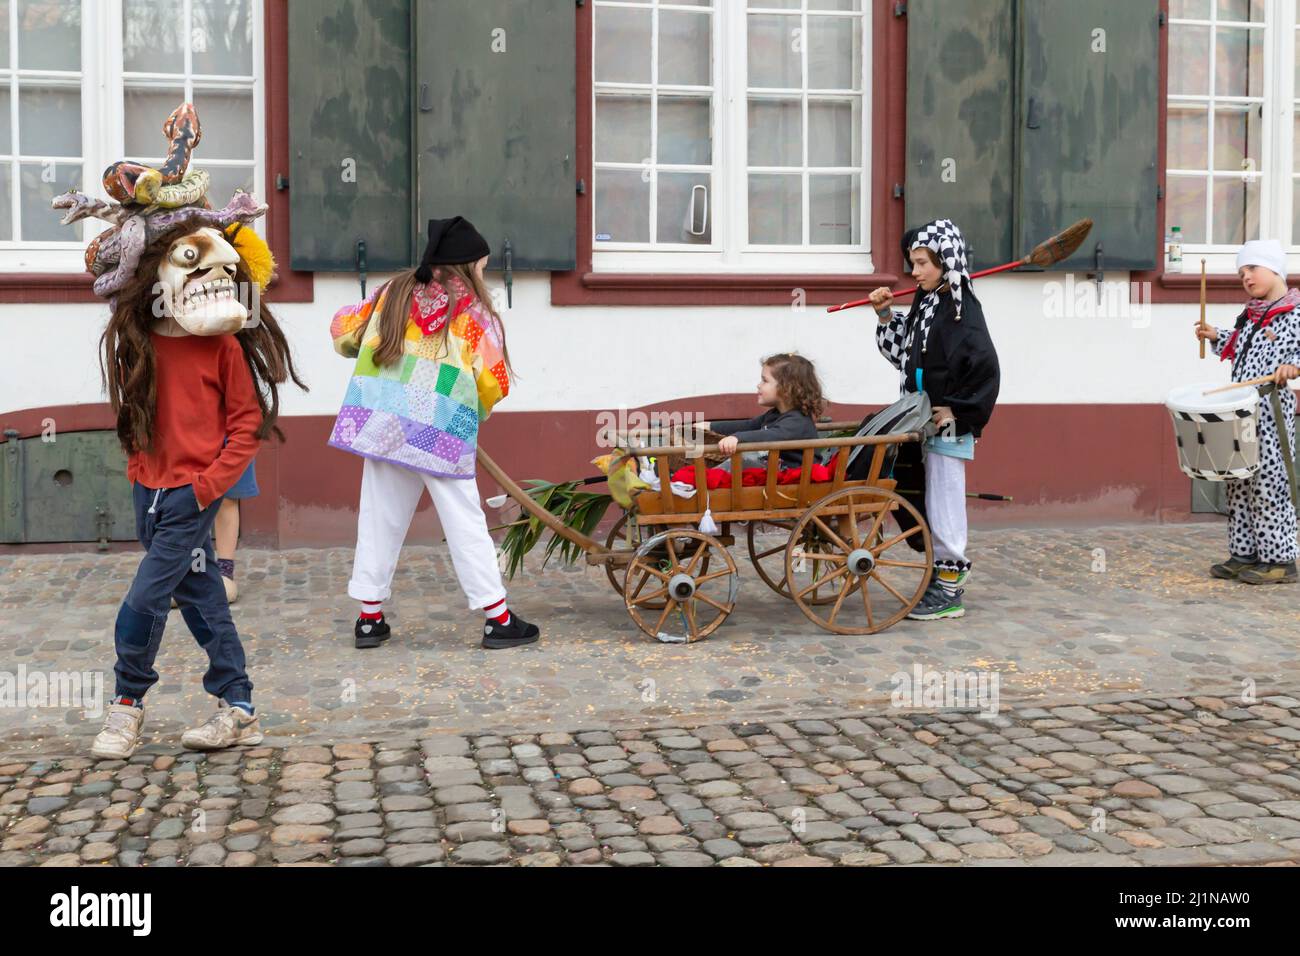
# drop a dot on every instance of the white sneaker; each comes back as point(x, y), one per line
point(228, 727)
point(121, 734)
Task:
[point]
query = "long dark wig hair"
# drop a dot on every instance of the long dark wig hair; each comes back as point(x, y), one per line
point(127, 363)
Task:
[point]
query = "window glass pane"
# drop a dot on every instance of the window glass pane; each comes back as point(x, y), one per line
point(834, 53)
point(225, 180)
point(6, 207)
point(1236, 211)
point(622, 45)
point(775, 210)
point(835, 210)
point(227, 122)
point(49, 120)
point(1248, 10)
point(50, 34)
point(221, 37)
point(4, 40)
point(774, 60)
point(145, 110)
point(1295, 212)
point(1239, 63)
point(1189, 138)
point(1189, 9)
point(153, 36)
point(1186, 207)
point(622, 206)
point(834, 133)
point(1237, 137)
point(685, 48)
point(622, 129)
point(773, 4)
point(6, 127)
point(683, 208)
point(775, 133)
point(41, 182)
point(684, 131)
point(834, 4)
point(1189, 60)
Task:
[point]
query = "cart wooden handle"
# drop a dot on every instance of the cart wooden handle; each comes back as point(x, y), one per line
point(508, 485)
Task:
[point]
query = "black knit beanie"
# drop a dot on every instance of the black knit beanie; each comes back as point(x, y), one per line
point(451, 242)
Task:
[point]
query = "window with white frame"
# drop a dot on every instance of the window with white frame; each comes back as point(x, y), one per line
point(1231, 172)
point(730, 135)
point(89, 82)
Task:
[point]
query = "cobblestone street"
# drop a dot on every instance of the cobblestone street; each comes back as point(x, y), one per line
point(1152, 782)
point(1147, 714)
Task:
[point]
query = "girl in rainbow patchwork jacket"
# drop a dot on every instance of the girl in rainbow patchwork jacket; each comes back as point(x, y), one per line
point(431, 365)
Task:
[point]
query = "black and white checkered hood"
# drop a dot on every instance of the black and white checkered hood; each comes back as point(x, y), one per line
point(944, 239)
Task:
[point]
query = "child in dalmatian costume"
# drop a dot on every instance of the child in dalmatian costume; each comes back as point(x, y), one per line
point(942, 347)
point(1265, 341)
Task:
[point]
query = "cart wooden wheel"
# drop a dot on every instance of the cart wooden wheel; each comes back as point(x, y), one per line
point(669, 592)
point(767, 542)
point(628, 535)
point(876, 579)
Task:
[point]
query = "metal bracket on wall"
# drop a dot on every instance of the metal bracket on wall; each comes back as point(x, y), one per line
point(361, 265)
point(900, 9)
point(510, 276)
point(281, 182)
point(11, 483)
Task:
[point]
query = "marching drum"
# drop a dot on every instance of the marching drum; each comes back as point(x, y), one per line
point(1216, 434)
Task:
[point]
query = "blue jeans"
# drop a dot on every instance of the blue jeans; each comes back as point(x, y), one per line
point(177, 538)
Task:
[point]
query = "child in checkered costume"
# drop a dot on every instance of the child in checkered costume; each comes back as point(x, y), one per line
point(431, 365)
point(1265, 341)
point(942, 347)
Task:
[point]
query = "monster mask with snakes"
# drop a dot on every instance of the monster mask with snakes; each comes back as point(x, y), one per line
point(151, 202)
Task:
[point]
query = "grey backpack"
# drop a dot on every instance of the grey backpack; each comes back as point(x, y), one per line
point(911, 413)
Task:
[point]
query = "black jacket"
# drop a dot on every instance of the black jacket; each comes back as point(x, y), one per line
point(772, 426)
point(960, 365)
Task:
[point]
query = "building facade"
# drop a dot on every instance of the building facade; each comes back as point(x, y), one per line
point(683, 188)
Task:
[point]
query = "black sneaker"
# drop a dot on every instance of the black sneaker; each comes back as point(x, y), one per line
point(371, 633)
point(1231, 569)
point(515, 634)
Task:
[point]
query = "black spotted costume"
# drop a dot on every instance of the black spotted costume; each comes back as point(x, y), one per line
point(1263, 515)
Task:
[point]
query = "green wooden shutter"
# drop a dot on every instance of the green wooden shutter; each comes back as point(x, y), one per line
point(960, 120)
point(350, 133)
point(73, 488)
point(496, 124)
point(1089, 122)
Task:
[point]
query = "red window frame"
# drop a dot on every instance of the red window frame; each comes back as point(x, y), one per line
point(888, 117)
point(291, 286)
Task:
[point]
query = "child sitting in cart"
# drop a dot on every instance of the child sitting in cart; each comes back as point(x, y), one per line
point(1265, 341)
point(790, 391)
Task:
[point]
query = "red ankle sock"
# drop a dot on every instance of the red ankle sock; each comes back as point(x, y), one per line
point(498, 613)
point(372, 610)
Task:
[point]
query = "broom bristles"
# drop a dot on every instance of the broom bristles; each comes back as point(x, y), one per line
point(1061, 246)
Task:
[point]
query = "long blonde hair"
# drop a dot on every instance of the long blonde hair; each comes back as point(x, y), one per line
point(396, 312)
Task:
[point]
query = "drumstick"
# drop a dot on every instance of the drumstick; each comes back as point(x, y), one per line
point(1263, 380)
point(1203, 325)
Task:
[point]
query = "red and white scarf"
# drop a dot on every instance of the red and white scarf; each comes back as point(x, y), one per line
point(1261, 313)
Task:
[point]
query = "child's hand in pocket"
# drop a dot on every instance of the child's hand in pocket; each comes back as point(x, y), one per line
point(728, 445)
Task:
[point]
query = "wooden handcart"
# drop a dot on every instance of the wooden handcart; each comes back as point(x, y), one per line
point(827, 545)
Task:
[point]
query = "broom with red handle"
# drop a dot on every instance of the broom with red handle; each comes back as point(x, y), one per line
point(1054, 250)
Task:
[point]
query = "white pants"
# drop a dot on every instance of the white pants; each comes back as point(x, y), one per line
point(945, 509)
point(389, 496)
